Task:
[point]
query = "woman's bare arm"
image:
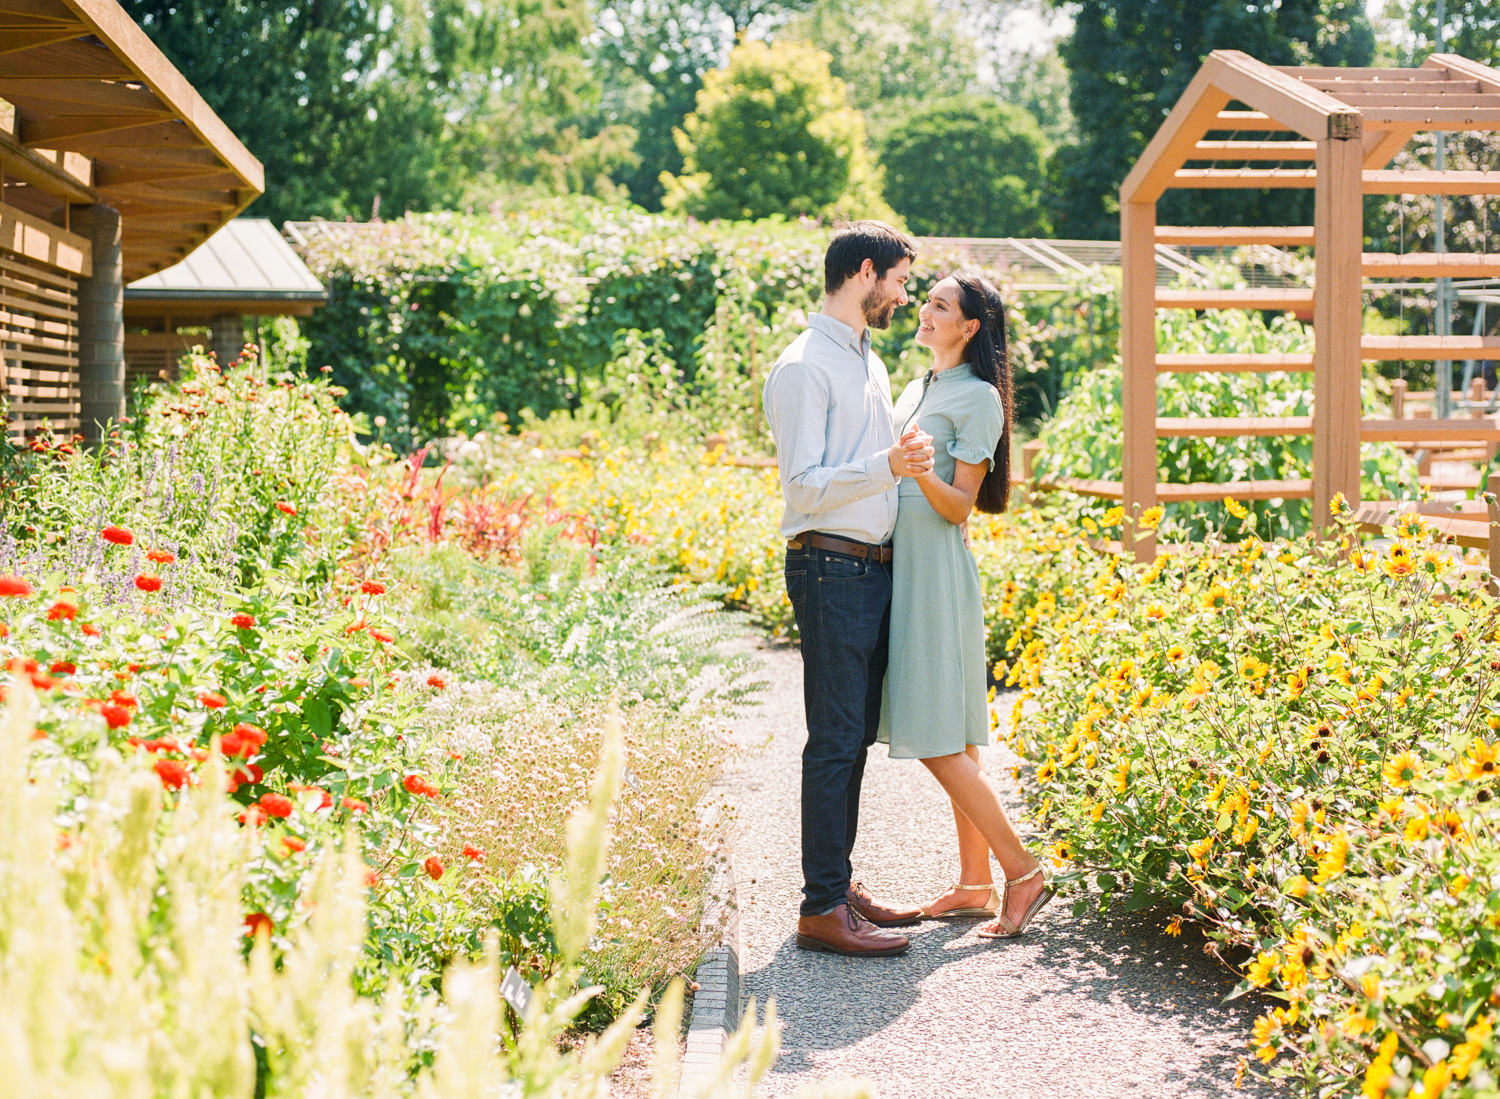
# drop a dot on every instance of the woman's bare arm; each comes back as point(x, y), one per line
point(954, 502)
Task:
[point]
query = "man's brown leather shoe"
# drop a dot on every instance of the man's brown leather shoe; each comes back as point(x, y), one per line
point(845, 931)
point(881, 915)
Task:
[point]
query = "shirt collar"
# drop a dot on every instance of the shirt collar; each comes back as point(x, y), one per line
point(840, 333)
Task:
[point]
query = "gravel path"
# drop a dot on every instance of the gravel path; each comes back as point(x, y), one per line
point(1091, 1006)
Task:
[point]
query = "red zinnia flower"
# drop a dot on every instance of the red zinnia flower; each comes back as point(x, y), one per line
point(120, 698)
point(292, 843)
point(381, 636)
point(242, 621)
point(257, 922)
point(148, 583)
point(372, 877)
point(254, 815)
point(354, 805)
point(416, 784)
point(275, 805)
point(116, 717)
point(14, 585)
point(282, 505)
point(372, 587)
point(161, 557)
point(436, 681)
point(213, 701)
point(173, 773)
point(63, 667)
point(475, 854)
point(62, 609)
point(434, 867)
point(90, 629)
point(249, 775)
point(252, 735)
point(118, 535)
point(358, 681)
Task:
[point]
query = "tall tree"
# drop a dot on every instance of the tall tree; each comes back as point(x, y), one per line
point(358, 104)
point(773, 133)
point(967, 166)
point(651, 56)
point(1129, 61)
point(893, 55)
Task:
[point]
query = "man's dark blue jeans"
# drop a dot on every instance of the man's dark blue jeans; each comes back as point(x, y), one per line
point(843, 610)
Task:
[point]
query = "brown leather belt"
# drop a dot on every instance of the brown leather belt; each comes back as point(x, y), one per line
point(880, 554)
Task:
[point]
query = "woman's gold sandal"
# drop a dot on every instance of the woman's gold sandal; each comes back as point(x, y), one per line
point(1015, 931)
point(989, 908)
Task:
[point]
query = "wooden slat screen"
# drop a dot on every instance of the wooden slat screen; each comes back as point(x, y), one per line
point(150, 355)
point(38, 347)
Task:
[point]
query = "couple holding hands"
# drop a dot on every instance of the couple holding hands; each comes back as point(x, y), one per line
point(885, 592)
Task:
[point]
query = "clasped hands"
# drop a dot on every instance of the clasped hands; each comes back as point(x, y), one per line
point(912, 454)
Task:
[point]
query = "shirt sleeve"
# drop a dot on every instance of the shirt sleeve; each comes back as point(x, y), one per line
point(977, 429)
point(797, 404)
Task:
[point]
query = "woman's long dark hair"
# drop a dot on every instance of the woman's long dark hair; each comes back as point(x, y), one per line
point(989, 358)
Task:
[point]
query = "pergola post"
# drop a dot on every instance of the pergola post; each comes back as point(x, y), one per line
point(1337, 321)
point(1138, 363)
point(101, 322)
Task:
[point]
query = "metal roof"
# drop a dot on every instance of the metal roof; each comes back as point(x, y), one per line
point(1036, 263)
point(246, 260)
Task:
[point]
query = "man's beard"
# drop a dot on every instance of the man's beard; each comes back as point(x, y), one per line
point(878, 310)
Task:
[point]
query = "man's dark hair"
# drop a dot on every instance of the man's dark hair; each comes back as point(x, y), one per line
point(858, 241)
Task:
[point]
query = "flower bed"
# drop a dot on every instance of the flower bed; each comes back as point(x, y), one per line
point(224, 608)
point(1295, 742)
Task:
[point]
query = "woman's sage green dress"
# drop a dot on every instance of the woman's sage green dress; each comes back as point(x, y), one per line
point(936, 692)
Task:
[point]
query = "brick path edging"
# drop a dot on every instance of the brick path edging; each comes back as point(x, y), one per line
point(715, 1010)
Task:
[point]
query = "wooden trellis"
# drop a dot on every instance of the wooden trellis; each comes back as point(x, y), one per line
point(1245, 124)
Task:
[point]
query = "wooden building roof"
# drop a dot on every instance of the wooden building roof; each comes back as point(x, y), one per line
point(100, 115)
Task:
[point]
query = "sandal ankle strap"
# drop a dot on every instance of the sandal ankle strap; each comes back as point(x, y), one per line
point(972, 888)
point(1033, 872)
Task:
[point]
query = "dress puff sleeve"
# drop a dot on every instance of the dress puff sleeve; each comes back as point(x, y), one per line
point(977, 426)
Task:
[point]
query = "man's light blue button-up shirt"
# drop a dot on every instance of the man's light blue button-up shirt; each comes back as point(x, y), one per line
point(828, 401)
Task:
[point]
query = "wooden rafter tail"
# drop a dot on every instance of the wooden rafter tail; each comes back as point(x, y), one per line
point(113, 96)
point(1435, 118)
point(1463, 68)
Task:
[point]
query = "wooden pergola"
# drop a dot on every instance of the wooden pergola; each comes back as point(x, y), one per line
point(1244, 124)
point(111, 168)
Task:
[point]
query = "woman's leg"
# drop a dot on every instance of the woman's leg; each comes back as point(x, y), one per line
point(974, 797)
point(973, 861)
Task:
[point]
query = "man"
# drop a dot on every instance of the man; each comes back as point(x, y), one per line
point(828, 402)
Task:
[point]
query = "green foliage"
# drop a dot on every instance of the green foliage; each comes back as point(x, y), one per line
point(1129, 61)
point(967, 166)
point(1084, 438)
point(892, 55)
point(773, 134)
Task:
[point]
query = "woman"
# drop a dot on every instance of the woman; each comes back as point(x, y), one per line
point(935, 706)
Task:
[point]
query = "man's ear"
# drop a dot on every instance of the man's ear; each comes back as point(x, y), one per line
point(867, 267)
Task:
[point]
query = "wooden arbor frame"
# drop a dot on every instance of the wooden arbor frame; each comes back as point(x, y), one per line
point(1346, 124)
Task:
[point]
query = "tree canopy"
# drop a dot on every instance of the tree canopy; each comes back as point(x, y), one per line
point(967, 166)
point(1130, 60)
point(773, 133)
